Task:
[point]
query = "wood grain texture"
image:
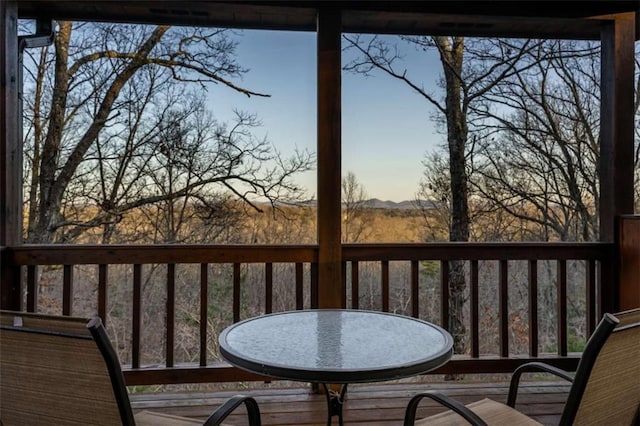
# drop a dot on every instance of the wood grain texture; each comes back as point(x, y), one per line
point(371, 405)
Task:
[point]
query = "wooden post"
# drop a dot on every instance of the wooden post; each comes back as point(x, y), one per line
point(616, 143)
point(629, 244)
point(10, 156)
point(330, 286)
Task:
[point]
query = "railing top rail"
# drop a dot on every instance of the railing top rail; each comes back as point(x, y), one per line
point(56, 254)
point(168, 253)
point(478, 251)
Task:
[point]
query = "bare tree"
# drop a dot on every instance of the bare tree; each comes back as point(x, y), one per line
point(354, 211)
point(433, 198)
point(637, 133)
point(108, 95)
point(539, 161)
point(471, 68)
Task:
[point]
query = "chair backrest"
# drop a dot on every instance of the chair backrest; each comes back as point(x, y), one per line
point(55, 370)
point(606, 389)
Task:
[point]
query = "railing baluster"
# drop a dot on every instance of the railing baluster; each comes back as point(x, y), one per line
point(204, 302)
point(415, 289)
point(533, 307)
point(268, 288)
point(355, 284)
point(171, 312)
point(343, 283)
point(444, 294)
point(32, 288)
point(299, 286)
point(136, 317)
point(67, 289)
point(314, 285)
point(236, 292)
point(103, 274)
point(562, 307)
point(385, 285)
point(474, 309)
point(591, 296)
point(504, 308)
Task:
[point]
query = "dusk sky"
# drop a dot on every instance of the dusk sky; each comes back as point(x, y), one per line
point(386, 128)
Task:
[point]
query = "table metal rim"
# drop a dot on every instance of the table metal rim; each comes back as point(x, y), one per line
point(319, 375)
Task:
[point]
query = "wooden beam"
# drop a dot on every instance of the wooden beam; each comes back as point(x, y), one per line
point(476, 18)
point(10, 155)
point(330, 291)
point(616, 142)
point(222, 372)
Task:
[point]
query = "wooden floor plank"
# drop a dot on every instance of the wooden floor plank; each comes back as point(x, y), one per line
point(368, 404)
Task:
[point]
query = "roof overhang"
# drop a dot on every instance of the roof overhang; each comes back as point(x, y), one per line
point(531, 19)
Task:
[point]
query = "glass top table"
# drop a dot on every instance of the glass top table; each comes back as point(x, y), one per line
point(336, 346)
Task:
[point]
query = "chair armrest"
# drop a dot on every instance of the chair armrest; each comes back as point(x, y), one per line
point(459, 408)
point(529, 368)
point(253, 411)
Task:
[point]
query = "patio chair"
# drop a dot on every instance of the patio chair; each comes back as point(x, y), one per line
point(605, 389)
point(63, 371)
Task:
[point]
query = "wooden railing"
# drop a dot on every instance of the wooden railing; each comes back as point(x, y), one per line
point(304, 259)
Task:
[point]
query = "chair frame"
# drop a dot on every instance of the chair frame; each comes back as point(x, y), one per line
point(579, 381)
point(110, 357)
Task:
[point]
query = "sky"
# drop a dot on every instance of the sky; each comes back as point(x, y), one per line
point(386, 128)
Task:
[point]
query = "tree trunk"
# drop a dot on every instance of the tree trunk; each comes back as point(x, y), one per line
point(48, 209)
point(451, 54)
point(54, 178)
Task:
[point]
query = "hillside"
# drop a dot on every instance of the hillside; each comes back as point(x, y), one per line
point(380, 221)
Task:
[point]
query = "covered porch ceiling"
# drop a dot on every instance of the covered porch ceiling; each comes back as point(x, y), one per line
point(531, 19)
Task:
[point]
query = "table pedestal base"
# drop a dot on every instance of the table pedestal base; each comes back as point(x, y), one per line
point(335, 401)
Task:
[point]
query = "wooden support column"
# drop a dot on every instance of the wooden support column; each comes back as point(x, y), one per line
point(629, 243)
point(616, 143)
point(10, 156)
point(330, 286)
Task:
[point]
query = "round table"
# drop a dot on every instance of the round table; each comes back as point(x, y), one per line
point(338, 346)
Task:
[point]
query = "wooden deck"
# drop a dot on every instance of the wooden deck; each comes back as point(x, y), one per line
point(370, 404)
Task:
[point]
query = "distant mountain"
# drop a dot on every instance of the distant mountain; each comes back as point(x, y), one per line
point(376, 203)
